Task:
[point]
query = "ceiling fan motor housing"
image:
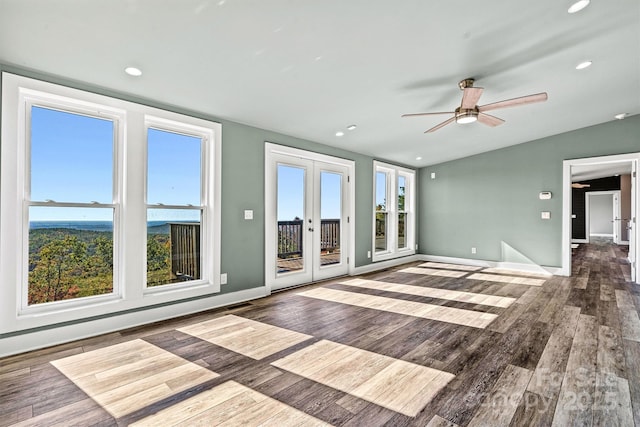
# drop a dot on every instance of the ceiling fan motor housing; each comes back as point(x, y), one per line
point(466, 115)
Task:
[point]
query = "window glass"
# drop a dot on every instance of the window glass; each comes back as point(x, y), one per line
point(70, 253)
point(174, 232)
point(70, 234)
point(71, 157)
point(402, 216)
point(173, 167)
point(381, 214)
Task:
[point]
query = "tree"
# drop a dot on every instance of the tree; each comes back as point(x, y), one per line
point(57, 263)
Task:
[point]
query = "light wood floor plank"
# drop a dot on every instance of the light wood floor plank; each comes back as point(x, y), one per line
point(395, 384)
point(460, 267)
point(248, 337)
point(137, 388)
point(506, 279)
point(458, 316)
point(445, 294)
point(433, 272)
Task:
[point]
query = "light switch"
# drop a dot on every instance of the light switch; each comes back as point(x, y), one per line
point(433, 175)
point(248, 214)
point(545, 215)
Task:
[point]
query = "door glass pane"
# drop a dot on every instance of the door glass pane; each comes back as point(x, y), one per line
point(70, 253)
point(381, 214)
point(173, 246)
point(71, 157)
point(290, 214)
point(330, 209)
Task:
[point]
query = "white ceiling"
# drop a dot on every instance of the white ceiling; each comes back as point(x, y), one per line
point(310, 68)
point(600, 170)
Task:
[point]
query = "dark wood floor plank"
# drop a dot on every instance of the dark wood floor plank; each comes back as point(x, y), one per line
point(632, 361)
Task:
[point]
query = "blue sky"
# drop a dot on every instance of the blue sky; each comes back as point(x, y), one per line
point(291, 191)
point(72, 161)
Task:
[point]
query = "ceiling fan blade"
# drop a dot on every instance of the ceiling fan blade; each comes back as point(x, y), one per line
point(529, 99)
point(471, 96)
point(489, 120)
point(578, 185)
point(426, 114)
point(443, 124)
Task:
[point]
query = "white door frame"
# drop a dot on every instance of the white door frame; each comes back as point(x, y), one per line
point(634, 158)
point(272, 151)
point(615, 213)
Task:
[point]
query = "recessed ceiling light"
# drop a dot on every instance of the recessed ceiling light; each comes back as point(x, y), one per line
point(578, 6)
point(583, 65)
point(418, 158)
point(133, 71)
point(339, 133)
point(351, 127)
point(621, 116)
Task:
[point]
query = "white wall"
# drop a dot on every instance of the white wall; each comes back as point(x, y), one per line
point(601, 214)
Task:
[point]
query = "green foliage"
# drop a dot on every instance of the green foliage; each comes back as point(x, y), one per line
point(158, 260)
point(57, 263)
point(66, 263)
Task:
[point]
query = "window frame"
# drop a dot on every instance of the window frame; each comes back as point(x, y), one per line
point(129, 204)
point(392, 211)
point(206, 194)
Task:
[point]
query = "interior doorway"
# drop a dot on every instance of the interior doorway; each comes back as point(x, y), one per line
point(308, 211)
point(602, 215)
point(601, 201)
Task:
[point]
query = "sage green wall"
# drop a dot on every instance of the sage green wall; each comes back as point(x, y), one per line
point(491, 200)
point(243, 188)
point(242, 256)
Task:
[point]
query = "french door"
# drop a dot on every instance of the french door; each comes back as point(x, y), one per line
point(307, 218)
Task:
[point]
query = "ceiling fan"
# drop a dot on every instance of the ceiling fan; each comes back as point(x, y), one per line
point(469, 112)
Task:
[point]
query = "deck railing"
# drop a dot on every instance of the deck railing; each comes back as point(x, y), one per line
point(290, 237)
point(185, 250)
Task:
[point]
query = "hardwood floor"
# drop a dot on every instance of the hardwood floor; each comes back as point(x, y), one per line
point(424, 344)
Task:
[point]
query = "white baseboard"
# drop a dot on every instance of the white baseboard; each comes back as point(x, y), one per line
point(579, 241)
point(525, 268)
point(381, 265)
point(623, 242)
point(601, 235)
point(38, 339)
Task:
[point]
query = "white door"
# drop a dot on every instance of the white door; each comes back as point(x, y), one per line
point(617, 220)
point(307, 220)
point(632, 225)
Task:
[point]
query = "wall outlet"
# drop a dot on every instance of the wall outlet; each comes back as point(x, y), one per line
point(223, 279)
point(368, 254)
point(416, 246)
point(473, 250)
point(545, 215)
point(433, 175)
point(248, 214)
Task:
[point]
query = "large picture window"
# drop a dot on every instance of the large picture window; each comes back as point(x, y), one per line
point(393, 211)
point(78, 210)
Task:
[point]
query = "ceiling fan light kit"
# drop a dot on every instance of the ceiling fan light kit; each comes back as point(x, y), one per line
point(469, 111)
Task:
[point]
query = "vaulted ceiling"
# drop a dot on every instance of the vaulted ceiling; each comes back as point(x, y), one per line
point(311, 68)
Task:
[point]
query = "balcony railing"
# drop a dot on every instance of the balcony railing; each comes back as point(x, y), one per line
point(290, 237)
